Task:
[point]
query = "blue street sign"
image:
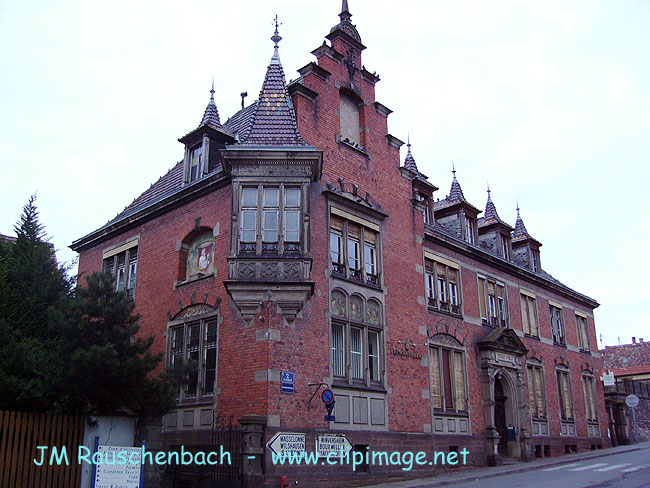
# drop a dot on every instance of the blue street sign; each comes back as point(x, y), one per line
point(286, 382)
point(330, 418)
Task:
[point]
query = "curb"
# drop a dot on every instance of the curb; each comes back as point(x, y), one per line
point(523, 469)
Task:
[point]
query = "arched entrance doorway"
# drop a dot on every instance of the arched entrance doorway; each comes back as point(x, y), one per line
point(500, 422)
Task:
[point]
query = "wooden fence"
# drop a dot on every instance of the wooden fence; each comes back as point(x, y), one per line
point(21, 433)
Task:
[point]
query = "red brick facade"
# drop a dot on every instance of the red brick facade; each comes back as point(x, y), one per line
point(394, 411)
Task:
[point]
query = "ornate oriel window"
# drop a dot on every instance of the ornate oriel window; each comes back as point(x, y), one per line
point(442, 284)
point(356, 340)
point(270, 220)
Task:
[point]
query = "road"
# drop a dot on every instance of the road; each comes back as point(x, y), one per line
point(623, 470)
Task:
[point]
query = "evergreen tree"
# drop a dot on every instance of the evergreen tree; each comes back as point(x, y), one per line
point(111, 367)
point(66, 351)
point(32, 288)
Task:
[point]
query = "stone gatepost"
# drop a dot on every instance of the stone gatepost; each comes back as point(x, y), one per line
point(252, 450)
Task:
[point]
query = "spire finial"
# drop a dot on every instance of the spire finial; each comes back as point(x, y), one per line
point(345, 11)
point(488, 186)
point(212, 90)
point(517, 208)
point(408, 141)
point(453, 168)
point(276, 39)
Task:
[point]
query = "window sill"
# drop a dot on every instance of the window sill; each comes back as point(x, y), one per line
point(444, 312)
point(539, 419)
point(193, 402)
point(530, 336)
point(559, 344)
point(357, 282)
point(584, 351)
point(451, 413)
point(179, 284)
point(340, 383)
point(355, 147)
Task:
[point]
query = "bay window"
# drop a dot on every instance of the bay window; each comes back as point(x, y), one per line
point(353, 250)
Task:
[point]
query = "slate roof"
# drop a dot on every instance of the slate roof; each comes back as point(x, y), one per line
point(273, 121)
point(211, 114)
point(409, 161)
point(455, 196)
point(520, 233)
point(240, 123)
point(490, 216)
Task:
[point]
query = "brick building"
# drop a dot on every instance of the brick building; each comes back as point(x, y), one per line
point(291, 238)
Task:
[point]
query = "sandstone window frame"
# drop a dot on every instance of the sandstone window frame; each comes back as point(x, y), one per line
point(447, 369)
point(121, 262)
point(493, 301)
point(536, 390)
point(195, 339)
point(264, 224)
point(529, 314)
point(357, 351)
point(442, 284)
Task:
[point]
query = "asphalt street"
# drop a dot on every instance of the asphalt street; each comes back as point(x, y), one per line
point(624, 470)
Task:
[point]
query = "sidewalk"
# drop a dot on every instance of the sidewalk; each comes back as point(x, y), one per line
point(473, 474)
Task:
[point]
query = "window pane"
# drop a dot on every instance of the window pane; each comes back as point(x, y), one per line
point(249, 197)
point(210, 370)
point(338, 362)
point(270, 226)
point(356, 357)
point(481, 297)
point(434, 371)
point(336, 251)
point(291, 226)
point(248, 226)
point(271, 197)
point(459, 381)
point(370, 259)
point(291, 197)
point(446, 378)
point(373, 355)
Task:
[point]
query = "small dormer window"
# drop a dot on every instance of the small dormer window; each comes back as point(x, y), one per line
point(504, 243)
point(535, 261)
point(196, 162)
point(469, 230)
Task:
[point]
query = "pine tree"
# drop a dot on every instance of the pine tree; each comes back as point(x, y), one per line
point(32, 288)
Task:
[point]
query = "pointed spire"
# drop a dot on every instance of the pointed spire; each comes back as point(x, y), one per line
point(520, 233)
point(345, 14)
point(490, 214)
point(211, 114)
point(274, 122)
point(409, 161)
point(456, 193)
point(275, 59)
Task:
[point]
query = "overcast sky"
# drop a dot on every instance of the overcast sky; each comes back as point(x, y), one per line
point(548, 101)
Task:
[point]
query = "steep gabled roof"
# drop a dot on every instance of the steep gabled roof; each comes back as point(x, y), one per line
point(211, 114)
point(409, 161)
point(520, 233)
point(490, 216)
point(240, 123)
point(273, 121)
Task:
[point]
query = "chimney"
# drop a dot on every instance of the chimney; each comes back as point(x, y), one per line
point(640, 340)
point(633, 340)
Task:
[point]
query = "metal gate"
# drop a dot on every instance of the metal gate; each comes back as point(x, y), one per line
point(224, 438)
